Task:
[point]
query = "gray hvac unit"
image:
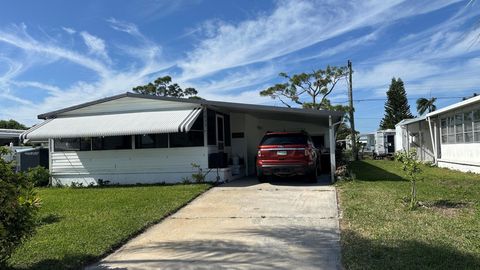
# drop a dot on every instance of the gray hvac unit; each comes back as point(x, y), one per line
point(30, 158)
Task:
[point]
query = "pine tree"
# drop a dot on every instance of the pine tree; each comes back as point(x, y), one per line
point(396, 106)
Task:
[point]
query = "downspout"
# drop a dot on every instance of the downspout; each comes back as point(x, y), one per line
point(333, 165)
point(434, 143)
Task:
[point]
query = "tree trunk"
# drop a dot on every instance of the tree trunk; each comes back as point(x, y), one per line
point(413, 201)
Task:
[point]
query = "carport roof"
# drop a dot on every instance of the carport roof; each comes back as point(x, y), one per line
point(263, 110)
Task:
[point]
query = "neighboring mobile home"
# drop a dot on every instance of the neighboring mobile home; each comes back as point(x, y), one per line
point(133, 138)
point(415, 134)
point(9, 137)
point(449, 137)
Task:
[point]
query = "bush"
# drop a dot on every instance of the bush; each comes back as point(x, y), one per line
point(39, 176)
point(18, 208)
point(411, 167)
point(198, 176)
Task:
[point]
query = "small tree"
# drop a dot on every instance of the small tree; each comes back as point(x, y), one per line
point(412, 168)
point(163, 86)
point(309, 90)
point(396, 106)
point(18, 208)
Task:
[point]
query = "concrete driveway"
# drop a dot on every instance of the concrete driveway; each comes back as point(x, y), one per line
point(242, 225)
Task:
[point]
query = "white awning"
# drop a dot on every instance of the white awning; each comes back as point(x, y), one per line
point(169, 121)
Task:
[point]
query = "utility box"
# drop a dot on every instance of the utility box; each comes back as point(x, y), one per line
point(29, 158)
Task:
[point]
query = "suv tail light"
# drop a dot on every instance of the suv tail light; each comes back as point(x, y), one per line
point(259, 153)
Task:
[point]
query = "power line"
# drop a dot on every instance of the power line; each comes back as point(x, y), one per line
point(384, 99)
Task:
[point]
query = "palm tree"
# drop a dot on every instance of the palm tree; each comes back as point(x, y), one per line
point(424, 104)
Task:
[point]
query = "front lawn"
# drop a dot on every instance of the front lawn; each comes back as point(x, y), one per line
point(379, 232)
point(79, 225)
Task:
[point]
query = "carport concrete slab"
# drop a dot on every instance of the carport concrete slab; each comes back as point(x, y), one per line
point(242, 225)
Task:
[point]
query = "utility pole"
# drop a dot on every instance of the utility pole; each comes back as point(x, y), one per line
point(350, 113)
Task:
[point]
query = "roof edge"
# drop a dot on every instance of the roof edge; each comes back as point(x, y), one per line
point(185, 100)
point(454, 106)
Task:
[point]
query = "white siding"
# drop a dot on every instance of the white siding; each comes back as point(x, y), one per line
point(157, 165)
point(465, 153)
point(464, 167)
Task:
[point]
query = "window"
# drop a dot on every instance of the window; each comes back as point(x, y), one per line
point(284, 139)
point(151, 141)
point(468, 126)
point(211, 128)
point(85, 144)
point(69, 144)
point(186, 139)
point(476, 126)
point(463, 127)
point(112, 143)
point(444, 130)
point(459, 128)
point(451, 130)
point(220, 129)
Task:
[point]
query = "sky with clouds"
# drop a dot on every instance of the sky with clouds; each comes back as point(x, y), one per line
point(57, 53)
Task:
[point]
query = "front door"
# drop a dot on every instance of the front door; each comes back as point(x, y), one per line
point(220, 133)
point(391, 143)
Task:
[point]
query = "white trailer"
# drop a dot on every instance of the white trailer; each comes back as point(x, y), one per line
point(384, 143)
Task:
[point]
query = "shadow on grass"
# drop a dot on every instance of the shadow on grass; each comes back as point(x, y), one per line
point(447, 204)
point(365, 171)
point(361, 253)
point(49, 219)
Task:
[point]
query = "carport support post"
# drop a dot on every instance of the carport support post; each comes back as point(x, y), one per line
point(331, 136)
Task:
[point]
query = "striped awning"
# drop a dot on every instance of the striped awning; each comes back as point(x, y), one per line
point(134, 123)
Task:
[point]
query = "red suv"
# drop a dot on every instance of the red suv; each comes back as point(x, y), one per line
point(287, 154)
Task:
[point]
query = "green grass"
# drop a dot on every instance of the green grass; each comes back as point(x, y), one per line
point(81, 225)
point(379, 232)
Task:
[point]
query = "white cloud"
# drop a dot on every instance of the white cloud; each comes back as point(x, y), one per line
point(110, 80)
point(123, 26)
point(292, 26)
point(18, 37)
point(52, 89)
point(95, 44)
point(69, 30)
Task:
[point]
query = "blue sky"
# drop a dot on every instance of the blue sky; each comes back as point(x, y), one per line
point(55, 54)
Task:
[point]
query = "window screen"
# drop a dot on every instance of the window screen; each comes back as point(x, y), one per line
point(186, 139)
point(151, 141)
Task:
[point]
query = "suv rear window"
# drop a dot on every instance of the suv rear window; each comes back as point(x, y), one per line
point(280, 139)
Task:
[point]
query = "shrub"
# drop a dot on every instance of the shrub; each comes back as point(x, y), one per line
point(18, 208)
point(198, 176)
point(411, 167)
point(39, 176)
